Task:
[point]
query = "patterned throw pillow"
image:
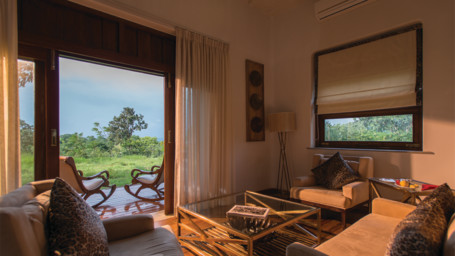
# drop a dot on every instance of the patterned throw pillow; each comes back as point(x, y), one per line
point(422, 231)
point(334, 173)
point(74, 227)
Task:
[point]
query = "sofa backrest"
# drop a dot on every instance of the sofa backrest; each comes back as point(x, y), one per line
point(362, 164)
point(23, 214)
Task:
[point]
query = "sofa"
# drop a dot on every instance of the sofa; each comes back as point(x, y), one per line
point(24, 214)
point(306, 190)
point(371, 234)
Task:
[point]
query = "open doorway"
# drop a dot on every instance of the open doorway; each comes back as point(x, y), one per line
point(111, 118)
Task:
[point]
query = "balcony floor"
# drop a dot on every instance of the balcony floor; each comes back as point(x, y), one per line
point(121, 203)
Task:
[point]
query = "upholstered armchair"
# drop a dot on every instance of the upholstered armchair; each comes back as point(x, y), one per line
point(306, 190)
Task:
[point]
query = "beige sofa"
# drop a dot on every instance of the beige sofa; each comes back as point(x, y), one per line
point(305, 189)
point(371, 234)
point(23, 215)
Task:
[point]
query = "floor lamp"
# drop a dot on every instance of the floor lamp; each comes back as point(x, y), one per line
point(282, 123)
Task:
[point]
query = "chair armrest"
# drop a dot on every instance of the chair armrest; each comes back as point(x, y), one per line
point(391, 208)
point(298, 249)
point(128, 226)
point(137, 172)
point(98, 175)
point(304, 181)
point(357, 191)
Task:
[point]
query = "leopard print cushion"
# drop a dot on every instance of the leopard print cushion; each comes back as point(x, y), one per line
point(74, 227)
point(422, 231)
point(334, 173)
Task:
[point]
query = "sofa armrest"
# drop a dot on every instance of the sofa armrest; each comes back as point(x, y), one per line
point(357, 191)
point(298, 249)
point(391, 208)
point(304, 181)
point(42, 185)
point(128, 226)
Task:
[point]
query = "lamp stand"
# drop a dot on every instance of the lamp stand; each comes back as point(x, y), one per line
point(284, 180)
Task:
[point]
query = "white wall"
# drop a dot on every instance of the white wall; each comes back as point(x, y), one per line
point(285, 45)
point(248, 33)
point(297, 35)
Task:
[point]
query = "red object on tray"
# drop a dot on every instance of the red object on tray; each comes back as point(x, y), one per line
point(428, 186)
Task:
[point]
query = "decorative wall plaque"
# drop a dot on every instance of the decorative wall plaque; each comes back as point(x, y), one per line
point(255, 125)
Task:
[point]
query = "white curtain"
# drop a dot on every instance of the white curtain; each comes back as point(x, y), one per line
point(203, 140)
point(10, 177)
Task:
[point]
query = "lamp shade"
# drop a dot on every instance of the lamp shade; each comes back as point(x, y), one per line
point(281, 121)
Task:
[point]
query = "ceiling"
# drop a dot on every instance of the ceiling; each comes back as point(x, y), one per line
point(273, 7)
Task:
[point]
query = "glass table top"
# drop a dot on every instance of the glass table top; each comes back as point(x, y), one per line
point(279, 211)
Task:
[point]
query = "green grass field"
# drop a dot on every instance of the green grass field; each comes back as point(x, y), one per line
point(119, 168)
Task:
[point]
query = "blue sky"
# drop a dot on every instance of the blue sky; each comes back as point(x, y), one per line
point(92, 93)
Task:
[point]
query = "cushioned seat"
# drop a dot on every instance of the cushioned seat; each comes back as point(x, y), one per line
point(157, 242)
point(306, 190)
point(147, 179)
point(321, 195)
point(368, 236)
point(92, 184)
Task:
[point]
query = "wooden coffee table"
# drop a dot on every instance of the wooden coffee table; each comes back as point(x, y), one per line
point(204, 229)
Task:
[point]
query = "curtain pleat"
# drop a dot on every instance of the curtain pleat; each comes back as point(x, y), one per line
point(10, 177)
point(203, 140)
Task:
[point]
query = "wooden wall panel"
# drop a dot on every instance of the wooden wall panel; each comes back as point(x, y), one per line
point(68, 27)
point(144, 49)
point(128, 40)
point(110, 35)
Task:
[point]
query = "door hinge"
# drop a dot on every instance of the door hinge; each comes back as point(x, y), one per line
point(53, 60)
point(169, 139)
point(169, 84)
point(53, 137)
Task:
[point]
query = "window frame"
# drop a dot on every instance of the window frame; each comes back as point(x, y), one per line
point(416, 111)
point(415, 145)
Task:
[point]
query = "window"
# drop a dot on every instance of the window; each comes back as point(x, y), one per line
point(26, 83)
point(369, 93)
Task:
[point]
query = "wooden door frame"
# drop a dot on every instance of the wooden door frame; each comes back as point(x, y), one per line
point(100, 36)
point(46, 101)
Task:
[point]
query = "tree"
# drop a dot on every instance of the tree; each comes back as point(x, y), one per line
point(26, 131)
point(25, 72)
point(121, 128)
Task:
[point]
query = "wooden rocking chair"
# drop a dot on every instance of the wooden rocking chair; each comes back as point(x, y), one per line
point(148, 179)
point(86, 186)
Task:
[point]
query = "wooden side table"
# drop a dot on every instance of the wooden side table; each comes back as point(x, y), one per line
point(411, 195)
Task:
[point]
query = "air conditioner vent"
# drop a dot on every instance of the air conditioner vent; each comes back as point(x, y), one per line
point(325, 9)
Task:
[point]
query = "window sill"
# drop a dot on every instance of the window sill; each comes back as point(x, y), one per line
point(373, 150)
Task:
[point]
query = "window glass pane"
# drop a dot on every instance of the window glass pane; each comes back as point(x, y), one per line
point(26, 83)
point(392, 128)
point(110, 119)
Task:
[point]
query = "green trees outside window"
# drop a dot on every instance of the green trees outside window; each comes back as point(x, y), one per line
point(392, 128)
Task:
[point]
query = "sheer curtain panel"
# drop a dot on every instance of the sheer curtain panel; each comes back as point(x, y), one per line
point(203, 141)
point(9, 109)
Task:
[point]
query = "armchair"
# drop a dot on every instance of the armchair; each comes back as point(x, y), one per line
point(86, 186)
point(305, 189)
